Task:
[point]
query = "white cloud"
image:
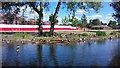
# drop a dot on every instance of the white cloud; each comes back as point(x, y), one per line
point(77, 17)
point(46, 13)
point(109, 14)
point(95, 16)
point(80, 11)
point(59, 20)
point(44, 18)
point(108, 17)
point(28, 9)
point(104, 21)
point(91, 9)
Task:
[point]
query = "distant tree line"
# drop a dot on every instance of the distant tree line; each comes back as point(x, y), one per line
point(84, 24)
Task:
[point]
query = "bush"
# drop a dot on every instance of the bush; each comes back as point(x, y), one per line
point(84, 34)
point(113, 33)
point(46, 34)
point(100, 33)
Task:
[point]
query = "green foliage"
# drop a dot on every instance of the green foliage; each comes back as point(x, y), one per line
point(7, 6)
point(46, 34)
point(95, 22)
point(73, 6)
point(75, 22)
point(84, 21)
point(113, 33)
point(112, 24)
point(65, 20)
point(51, 19)
point(116, 7)
point(10, 17)
point(100, 33)
point(84, 34)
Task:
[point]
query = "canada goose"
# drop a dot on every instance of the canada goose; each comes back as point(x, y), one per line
point(110, 38)
point(68, 40)
point(17, 50)
point(18, 47)
point(8, 41)
point(22, 42)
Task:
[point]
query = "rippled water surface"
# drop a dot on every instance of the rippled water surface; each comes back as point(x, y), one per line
point(98, 53)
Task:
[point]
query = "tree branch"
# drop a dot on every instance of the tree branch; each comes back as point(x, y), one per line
point(33, 6)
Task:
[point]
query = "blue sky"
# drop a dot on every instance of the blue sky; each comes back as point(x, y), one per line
point(104, 14)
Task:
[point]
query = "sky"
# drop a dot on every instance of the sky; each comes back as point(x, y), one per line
point(104, 14)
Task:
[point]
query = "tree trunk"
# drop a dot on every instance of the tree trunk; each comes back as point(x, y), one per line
point(40, 19)
point(16, 20)
point(54, 18)
point(52, 29)
point(40, 13)
point(40, 29)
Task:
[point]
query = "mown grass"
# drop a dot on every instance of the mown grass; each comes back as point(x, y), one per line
point(22, 35)
point(78, 35)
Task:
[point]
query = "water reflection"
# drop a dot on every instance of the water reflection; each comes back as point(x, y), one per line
point(99, 53)
point(40, 54)
point(53, 55)
point(116, 59)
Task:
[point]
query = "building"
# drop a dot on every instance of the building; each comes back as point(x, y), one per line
point(46, 22)
point(18, 19)
point(1, 17)
point(100, 27)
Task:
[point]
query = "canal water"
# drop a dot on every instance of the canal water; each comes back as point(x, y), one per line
point(94, 53)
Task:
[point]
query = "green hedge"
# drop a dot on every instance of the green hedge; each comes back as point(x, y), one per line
point(100, 33)
point(46, 34)
point(84, 34)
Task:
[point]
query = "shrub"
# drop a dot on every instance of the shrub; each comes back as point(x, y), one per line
point(84, 34)
point(100, 33)
point(113, 33)
point(46, 34)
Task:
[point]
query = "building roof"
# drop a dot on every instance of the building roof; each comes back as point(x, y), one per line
point(99, 26)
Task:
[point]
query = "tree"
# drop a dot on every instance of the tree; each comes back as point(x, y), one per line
point(65, 21)
point(89, 25)
point(9, 17)
point(23, 19)
point(8, 7)
point(73, 6)
point(39, 11)
point(95, 22)
point(84, 21)
point(36, 6)
point(74, 22)
point(112, 24)
point(116, 7)
point(54, 17)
